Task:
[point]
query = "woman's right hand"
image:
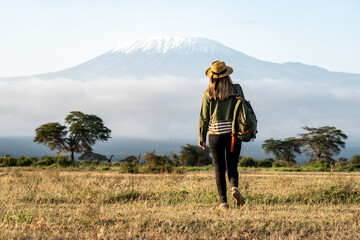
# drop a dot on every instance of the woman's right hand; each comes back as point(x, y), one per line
point(202, 144)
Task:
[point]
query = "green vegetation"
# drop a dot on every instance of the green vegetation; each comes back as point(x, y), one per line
point(169, 164)
point(355, 161)
point(283, 149)
point(323, 142)
point(191, 155)
point(78, 135)
point(7, 161)
point(265, 163)
point(247, 162)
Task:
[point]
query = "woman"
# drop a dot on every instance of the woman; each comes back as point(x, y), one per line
point(217, 109)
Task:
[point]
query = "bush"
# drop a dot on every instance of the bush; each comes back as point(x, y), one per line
point(95, 162)
point(62, 161)
point(46, 161)
point(26, 161)
point(265, 163)
point(320, 164)
point(341, 163)
point(279, 164)
point(7, 161)
point(247, 162)
point(129, 167)
point(191, 155)
point(157, 160)
point(157, 164)
point(355, 161)
point(85, 163)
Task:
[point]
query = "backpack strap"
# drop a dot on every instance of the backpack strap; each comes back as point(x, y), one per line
point(239, 90)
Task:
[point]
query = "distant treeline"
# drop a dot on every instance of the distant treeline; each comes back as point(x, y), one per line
point(191, 158)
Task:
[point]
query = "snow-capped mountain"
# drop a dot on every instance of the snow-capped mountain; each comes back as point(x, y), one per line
point(190, 57)
point(167, 45)
point(177, 56)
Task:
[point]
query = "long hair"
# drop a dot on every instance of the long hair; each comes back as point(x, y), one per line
point(224, 88)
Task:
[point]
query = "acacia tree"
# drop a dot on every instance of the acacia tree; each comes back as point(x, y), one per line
point(78, 135)
point(323, 142)
point(282, 149)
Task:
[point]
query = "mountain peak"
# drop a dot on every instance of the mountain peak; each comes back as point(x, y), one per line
point(164, 45)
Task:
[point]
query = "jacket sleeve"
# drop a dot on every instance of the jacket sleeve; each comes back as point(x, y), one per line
point(204, 118)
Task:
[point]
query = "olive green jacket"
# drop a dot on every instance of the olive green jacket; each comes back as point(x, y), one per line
point(216, 110)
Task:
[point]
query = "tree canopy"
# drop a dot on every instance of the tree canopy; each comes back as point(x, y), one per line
point(282, 149)
point(322, 142)
point(78, 135)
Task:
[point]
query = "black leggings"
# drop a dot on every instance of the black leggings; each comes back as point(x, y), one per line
point(223, 161)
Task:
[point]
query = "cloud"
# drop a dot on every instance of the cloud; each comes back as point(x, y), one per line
point(148, 108)
point(168, 107)
point(284, 106)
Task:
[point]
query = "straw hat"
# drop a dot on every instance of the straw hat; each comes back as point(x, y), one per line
point(218, 69)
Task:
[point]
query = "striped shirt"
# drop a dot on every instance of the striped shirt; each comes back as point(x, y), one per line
point(220, 127)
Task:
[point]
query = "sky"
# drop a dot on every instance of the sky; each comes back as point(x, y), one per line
point(41, 36)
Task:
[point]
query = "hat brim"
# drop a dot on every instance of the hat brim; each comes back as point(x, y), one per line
point(229, 71)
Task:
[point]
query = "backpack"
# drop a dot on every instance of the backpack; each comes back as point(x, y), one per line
point(244, 124)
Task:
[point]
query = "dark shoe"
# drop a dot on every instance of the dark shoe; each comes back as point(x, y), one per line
point(239, 199)
point(223, 206)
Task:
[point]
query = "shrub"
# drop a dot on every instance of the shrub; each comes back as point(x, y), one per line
point(265, 163)
point(105, 168)
point(7, 161)
point(175, 159)
point(46, 161)
point(355, 161)
point(247, 162)
point(341, 162)
point(129, 167)
point(191, 155)
point(282, 163)
point(157, 164)
point(157, 160)
point(279, 164)
point(62, 161)
point(320, 164)
point(85, 163)
point(26, 161)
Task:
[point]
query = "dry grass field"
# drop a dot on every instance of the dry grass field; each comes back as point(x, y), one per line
point(84, 204)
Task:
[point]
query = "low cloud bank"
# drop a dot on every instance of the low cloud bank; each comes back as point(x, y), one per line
point(168, 107)
point(163, 107)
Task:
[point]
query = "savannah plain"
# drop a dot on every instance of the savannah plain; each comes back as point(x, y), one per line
point(93, 204)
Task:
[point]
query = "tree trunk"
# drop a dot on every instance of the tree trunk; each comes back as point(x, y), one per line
point(72, 157)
